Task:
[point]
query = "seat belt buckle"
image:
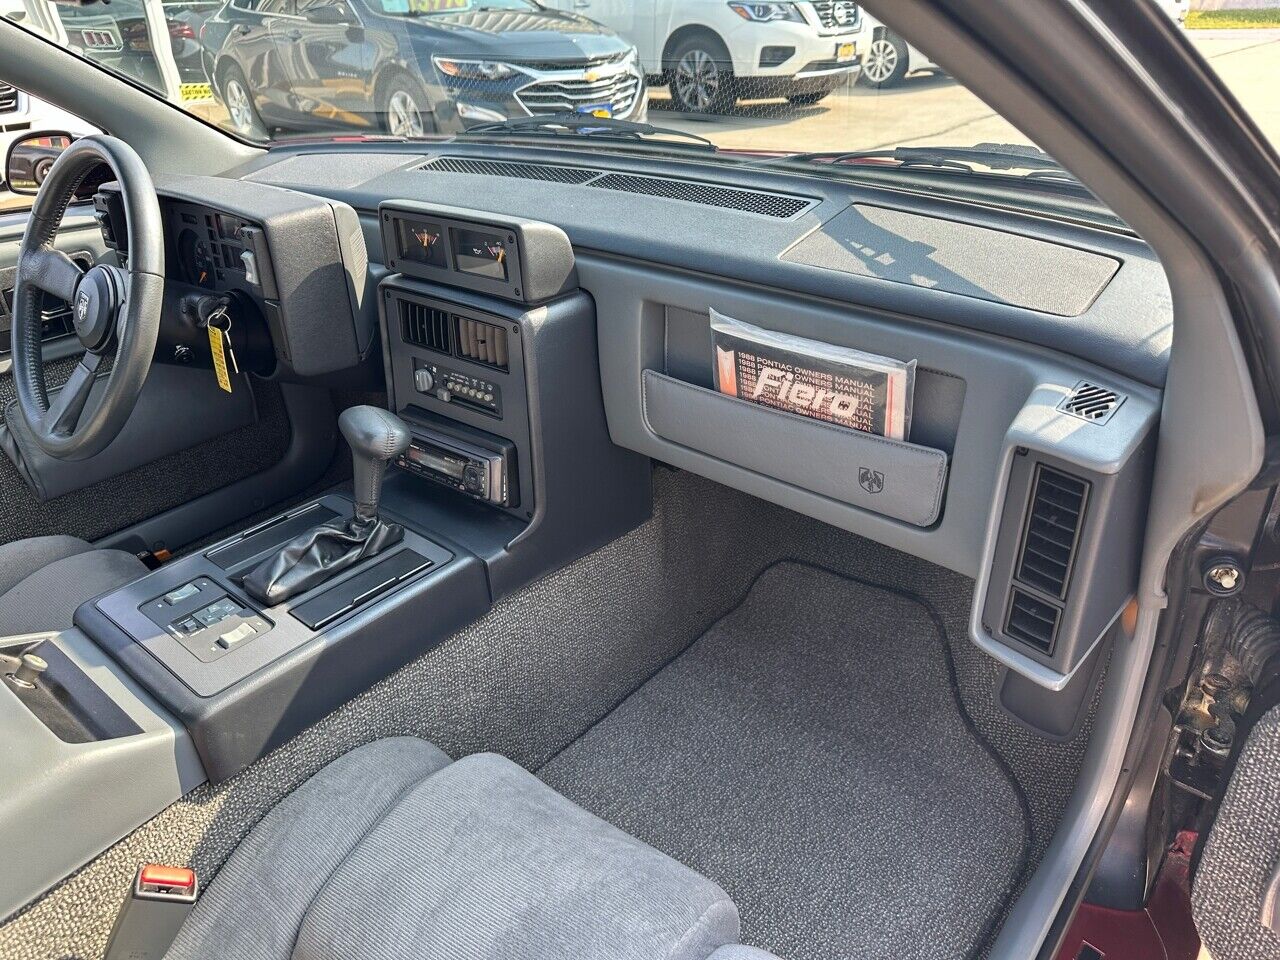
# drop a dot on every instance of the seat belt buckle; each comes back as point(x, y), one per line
point(157, 906)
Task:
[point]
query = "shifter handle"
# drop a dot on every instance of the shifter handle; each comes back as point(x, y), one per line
point(375, 437)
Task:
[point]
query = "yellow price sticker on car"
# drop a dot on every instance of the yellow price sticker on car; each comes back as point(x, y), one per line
point(846, 51)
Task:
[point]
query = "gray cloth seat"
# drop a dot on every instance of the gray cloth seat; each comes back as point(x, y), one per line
point(392, 852)
point(44, 579)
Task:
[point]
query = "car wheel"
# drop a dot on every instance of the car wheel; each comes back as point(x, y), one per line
point(808, 99)
point(403, 108)
point(701, 77)
point(886, 62)
point(236, 97)
point(41, 170)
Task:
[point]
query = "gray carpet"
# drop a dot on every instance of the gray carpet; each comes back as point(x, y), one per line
point(809, 754)
point(545, 666)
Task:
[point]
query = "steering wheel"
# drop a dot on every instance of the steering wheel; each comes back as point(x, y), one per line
point(116, 311)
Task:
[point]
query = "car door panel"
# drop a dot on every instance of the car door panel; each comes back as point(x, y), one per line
point(325, 66)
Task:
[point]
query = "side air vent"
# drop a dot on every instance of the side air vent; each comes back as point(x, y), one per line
point(482, 342)
point(777, 206)
point(1053, 527)
point(549, 172)
point(424, 326)
point(1088, 401)
point(1032, 621)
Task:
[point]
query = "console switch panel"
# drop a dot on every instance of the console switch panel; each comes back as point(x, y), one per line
point(206, 619)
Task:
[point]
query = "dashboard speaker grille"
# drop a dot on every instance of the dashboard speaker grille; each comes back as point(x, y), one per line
point(482, 342)
point(1052, 531)
point(778, 206)
point(424, 326)
point(549, 172)
point(1088, 401)
point(1032, 621)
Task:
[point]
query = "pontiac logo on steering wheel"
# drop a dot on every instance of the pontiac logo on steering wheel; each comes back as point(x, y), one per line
point(82, 307)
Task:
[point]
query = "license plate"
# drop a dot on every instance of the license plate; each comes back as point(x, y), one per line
point(846, 51)
point(602, 111)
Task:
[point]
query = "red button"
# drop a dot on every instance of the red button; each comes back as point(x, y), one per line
point(157, 875)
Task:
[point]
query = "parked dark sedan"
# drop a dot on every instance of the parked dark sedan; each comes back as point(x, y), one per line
point(409, 67)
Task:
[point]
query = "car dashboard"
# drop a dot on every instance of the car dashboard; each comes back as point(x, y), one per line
point(543, 325)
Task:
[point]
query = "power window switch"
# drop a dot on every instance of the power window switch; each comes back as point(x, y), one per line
point(238, 635)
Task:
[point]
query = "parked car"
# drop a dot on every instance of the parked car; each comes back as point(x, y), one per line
point(887, 58)
point(20, 114)
point(119, 36)
point(414, 66)
point(712, 53)
point(1178, 9)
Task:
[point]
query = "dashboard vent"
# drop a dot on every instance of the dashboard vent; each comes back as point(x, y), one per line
point(777, 206)
point(549, 172)
point(1032, 621)
point(424, 326)
point(1088, 401)
point(1052, 531)
point(482, 342)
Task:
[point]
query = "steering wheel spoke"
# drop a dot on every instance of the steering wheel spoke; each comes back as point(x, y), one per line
point(53, 272)
point(65, 410)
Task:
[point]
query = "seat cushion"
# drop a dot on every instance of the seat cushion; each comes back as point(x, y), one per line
point(46, 578)
point(483, 860)
point(393, 853)
point(253, 909)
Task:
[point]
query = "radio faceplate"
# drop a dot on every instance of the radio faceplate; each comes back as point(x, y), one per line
point(481, 468)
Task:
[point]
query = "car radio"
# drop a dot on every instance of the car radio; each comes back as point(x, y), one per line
point(481, 469)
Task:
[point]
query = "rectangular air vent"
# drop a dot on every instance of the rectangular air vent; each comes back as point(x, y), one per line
point(1052, 531)
point(1032, 621)
point(424, 326)
point(482, 342)
point(1088, 401)
point(778, 206)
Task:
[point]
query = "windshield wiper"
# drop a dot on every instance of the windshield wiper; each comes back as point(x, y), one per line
point(575, 125)
point(1032, 162)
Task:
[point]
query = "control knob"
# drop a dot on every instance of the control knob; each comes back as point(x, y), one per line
point(423, 380)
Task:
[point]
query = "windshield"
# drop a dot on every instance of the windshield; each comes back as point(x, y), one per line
point(820, 85)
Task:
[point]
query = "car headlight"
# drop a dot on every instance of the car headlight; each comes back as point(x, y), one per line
point(474, 69)
point(767, 12)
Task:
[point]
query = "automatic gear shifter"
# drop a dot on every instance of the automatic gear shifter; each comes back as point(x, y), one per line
point(376, 437)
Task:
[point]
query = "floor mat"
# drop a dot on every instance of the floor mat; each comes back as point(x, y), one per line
point(809, 754)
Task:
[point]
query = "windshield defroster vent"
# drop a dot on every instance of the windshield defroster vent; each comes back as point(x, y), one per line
point(777, 206)
point(1088, 401)
point(549, 172)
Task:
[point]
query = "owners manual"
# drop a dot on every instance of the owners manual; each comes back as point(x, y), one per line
point(862, 391)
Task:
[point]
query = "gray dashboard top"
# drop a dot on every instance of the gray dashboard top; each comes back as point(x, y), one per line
point(1108, 301)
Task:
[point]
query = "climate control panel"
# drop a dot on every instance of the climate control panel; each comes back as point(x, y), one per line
point(453, 386)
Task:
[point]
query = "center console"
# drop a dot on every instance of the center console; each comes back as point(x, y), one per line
point(490, 466)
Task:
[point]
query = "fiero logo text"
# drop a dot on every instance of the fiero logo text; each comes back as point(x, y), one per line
point(778, 384)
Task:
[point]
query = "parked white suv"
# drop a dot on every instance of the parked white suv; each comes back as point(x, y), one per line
point(886, 57)
point(714, 52)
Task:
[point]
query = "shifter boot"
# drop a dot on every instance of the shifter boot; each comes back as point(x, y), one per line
point(376, 437)
point(318, 555)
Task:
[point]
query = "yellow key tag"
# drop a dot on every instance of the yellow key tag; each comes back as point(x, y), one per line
point(219, 358)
